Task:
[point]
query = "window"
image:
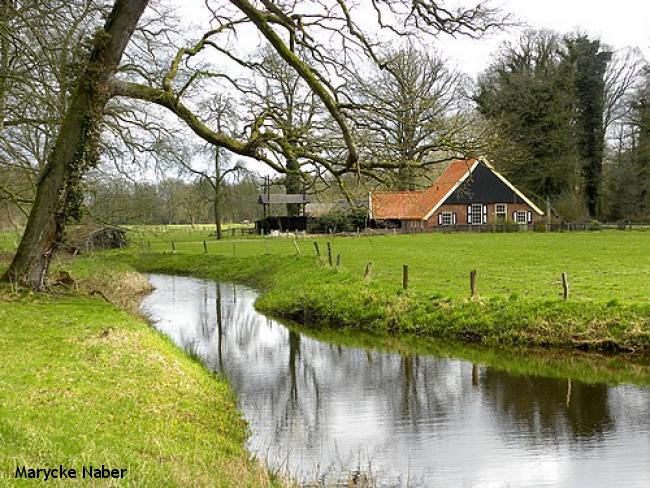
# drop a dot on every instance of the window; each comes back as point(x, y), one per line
point(477, 213)
point(446, 218)
point(500, 210)
point(521, 217)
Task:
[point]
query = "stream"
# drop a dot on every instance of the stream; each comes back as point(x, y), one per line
point(328, 413)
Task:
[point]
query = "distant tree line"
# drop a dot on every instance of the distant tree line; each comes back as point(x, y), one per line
point(171, 201)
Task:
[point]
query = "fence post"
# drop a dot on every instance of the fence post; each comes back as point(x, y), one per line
point(233, 231)
point(329, 253)
point(472, 284)
point(565, 286)
point(338, 260)
point(205, 247)
point(297, 247)
point(317, 250)
point(173, 247)
point(405, 276)
point(368, 271)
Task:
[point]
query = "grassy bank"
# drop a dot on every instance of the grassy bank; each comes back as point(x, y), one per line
point(601, 266)
point(85, 383)
point(306, 290)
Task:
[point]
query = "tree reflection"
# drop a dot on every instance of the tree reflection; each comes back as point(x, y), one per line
point(546, 406)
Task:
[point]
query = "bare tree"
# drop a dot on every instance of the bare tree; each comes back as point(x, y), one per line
point(622, 77)
point(412, 114)
point(294, 32)
point(73, 151)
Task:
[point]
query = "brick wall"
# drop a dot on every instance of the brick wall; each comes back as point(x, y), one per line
point(461, 213)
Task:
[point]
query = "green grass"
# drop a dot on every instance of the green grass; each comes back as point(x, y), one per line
point(84, 383)
point(601, 266)
point(518, 282)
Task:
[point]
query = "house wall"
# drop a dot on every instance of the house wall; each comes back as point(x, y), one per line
point(460, 209)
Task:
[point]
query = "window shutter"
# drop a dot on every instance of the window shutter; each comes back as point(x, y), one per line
point(440, 218)
point(469, 214)
point(514, 216)
point(485, 214)
point(530, 217)
point(454, 219)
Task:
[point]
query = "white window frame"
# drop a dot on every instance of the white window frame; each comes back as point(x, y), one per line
point(520, 219)
point(447, 215)
point(477, 213)
point(500, 212)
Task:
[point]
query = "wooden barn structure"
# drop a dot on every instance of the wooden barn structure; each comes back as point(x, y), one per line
point(270, 223)
point(469, 195)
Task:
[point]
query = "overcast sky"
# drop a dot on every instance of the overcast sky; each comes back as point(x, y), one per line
point(619, 23)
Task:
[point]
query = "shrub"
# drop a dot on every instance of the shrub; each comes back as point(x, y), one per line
point(340, 220)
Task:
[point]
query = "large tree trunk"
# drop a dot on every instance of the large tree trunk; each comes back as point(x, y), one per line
point(293, 184)
point(217, 194)
point(70, 156)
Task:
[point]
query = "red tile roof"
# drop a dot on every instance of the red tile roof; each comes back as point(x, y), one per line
point(394, 205)
point(417, 204)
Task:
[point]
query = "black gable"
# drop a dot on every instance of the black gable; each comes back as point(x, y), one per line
point(483, 186)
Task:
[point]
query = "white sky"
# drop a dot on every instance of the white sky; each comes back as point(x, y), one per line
point(618, 23)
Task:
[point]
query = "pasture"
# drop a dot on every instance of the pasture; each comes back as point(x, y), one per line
point(601, 266)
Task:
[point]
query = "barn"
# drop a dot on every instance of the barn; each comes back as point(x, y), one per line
point(470, 194)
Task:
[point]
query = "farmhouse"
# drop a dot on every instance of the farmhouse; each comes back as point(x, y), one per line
point(469, 194)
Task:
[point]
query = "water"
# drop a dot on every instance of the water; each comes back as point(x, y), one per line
point(323, 412)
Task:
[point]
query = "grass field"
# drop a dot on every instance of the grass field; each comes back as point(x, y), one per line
point(518, 283)
point(86, 383)
point(602, 266)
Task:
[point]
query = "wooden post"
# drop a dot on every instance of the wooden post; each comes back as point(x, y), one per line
point(329, 253)
point(472, 284)
point(295, 243)
point(233, 231)
point(405, 276)
point(173, 247)
point(205, 247)
point(317, 250)
point(368, 271)
point(338, 260)
point(565, 286)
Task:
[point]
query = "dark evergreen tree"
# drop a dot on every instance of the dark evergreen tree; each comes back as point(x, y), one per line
point(589, 63)
point(641, 115)
point(528, 94)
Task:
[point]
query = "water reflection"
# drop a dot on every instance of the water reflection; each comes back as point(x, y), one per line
point(320, 409)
